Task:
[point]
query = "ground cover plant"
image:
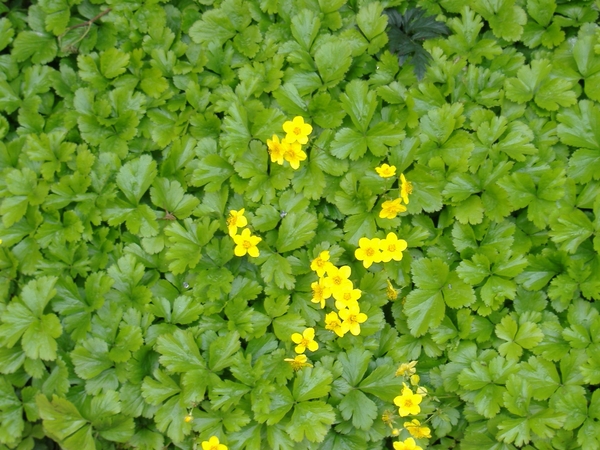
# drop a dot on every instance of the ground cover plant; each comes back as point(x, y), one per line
point(299, 224)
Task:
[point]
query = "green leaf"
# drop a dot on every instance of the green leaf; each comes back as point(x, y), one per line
point(355, 363)
point(535, 82)
point(222, 351)
point(526, 335)
point(349, 143)
point(179, 352)
point(113, 62)
point(277, 269)
point(6, 32)
point(359, 103)
point(64, 423)
point(467, 41)
point(425, 306)
point(305, 28)
point(541, 423)
point(484, 384)
point(39, 46)
point(187, 241)
point(25, 320)
point(505, 18)
point(424, 310)
point(9, 100)
point(333, 59)
point(296, 229)
point(571, 230)
point(382, 383)
point(573, 403)
point(578, 127)
point(360, 408)
point(311, 421)
point(136, 176)
point(91, 358)
point(170, 196)
point(311, 383)
point(157, 391)
point(58, 13)
point(11, 417)
point(212, 171)
point(371, 21)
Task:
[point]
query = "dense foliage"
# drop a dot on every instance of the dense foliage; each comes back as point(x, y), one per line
point(129, 131)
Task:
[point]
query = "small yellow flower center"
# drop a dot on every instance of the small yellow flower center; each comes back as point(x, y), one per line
point(318, 291)
point(337, 280)
point(231, 220)
point(352, 319)
point(319, 262)
point(297, 131)
point(392, 248)
point(246, 245)
point(347, 296)
point(370, 251)
point(409, 187)
point(304, 342)
point(408, 403)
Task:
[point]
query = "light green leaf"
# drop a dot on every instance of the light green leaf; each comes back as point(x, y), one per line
point(361, 409)
point(136, 176)
point(333, 60)
point(311, 421)
point(113, 62)
point(312, 383)
point(296, 229)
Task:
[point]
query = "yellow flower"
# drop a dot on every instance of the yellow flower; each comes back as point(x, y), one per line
point(414, 379)
point(386, 171)
point(337, 280)
point(408, 402)
point(408, 444)
point(353, 318)
point(293, 153)
point(368, 251)
point(298, 362)
point(392, 248)
point(297, 130)
point(333, 323)
point(236, 219)
point(321, 292)
point(407, 369)
point(188, 418)
point(391, 208)
point(392, 294)
point(416, 430)
point(305, 340)
point(246, 243)
point(406, 188)
point(276, 149)
point(321, 263)
point(213, 444)
point(348, 298)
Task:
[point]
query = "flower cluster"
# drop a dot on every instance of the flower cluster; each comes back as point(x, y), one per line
point(391, 208)
point(290, 147)
point(408, 403)
point(377, 250)
point(334, 282)
point(245, 242)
